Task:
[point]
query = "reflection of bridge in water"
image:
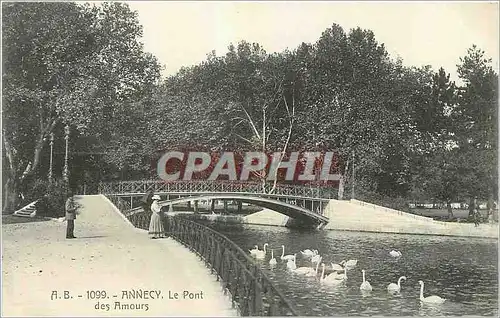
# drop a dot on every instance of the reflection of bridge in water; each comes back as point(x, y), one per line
point(305, 204)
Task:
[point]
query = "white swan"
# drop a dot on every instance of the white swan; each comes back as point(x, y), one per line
point(315, 273)
point(308, 271)
point(396, 287)
point(365, 285)
point(394, 253)
point(338, 267)
point(254, 251)
point(307, 253)
point(272, 261)
point(329, 279)
point(261, 254)
point(291, 263)
point(285, 257)
point(430, 299)
point(316, 258)
point(350, 264)
point(340, 276)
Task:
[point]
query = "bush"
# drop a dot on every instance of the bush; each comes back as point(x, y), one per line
point(52, 203)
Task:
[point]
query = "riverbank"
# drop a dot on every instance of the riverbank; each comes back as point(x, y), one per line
point(360, 216)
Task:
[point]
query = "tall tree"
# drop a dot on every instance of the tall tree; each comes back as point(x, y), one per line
point(477, 124)
point(66, 63)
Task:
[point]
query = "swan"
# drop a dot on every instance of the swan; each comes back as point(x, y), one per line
point(291, 263)
point(254, 251)
point(315, 273)
point(430, 299)
point(338, 267)
point(285, 257)
point(394, 253)
point(365, 285)
point(307, 253)
point(338, 276)
point(396, 287)
point(329, 279)
point(272, 261)
point(308, 271)
point(350, 264)
point(316, 258)
point(261, 254)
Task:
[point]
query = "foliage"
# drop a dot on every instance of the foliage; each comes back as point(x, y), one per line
point(69, 63)
point(51, 197)
point(409, 132)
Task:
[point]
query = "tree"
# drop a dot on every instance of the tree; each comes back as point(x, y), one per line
point(67, 63)
point(477, 125)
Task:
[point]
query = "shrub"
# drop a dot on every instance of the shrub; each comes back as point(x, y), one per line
point(52, 203)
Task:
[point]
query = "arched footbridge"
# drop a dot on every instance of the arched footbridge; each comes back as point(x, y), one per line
point(303, 204)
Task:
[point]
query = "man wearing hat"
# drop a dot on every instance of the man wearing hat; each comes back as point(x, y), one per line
point(71, 211)
point(156, 229)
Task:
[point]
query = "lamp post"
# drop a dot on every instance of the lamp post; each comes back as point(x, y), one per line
point(352, 186)
point(66, 137)
point(51, 152)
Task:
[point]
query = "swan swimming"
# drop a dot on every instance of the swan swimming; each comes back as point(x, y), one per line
point(309, 253)
point(308, 271)
point(329, 279)
point(315, 273)
point(430, 299)
point(261, 254)
point(316, 258)
point(337, 267)
point(365, 285)
point(350, 264)
point(291, 263)
point(272, 261)
point(396, 287)
point(394, 253)
point(254, 251)
point(338, 276)
point(285, 257)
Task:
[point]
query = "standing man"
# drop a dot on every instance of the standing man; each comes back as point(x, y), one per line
point(477, 216)
point(71, 208)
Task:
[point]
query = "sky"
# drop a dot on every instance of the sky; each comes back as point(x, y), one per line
point(421, 33)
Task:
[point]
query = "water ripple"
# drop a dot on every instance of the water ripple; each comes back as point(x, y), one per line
point(464, 271)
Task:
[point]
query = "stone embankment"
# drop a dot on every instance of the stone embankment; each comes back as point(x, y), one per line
point(356, 215)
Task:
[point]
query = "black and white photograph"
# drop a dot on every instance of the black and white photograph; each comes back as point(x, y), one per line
point(249, 158)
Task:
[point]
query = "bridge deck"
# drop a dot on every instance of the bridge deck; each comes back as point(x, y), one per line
point(107, 255)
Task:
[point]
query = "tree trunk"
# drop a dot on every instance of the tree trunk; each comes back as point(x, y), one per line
point(489, 207)
point(11, 196)
point(450, 211)
point(472, 206)
point(342, 182)
point(341, 188)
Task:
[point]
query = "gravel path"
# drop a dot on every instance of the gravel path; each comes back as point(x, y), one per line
point(109, 255)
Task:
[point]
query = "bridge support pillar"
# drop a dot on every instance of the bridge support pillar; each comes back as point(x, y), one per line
point(196, 206)
point(225, 207)
point(212, 206)
point(240, 206)
point(171, 208)
point(189, 205)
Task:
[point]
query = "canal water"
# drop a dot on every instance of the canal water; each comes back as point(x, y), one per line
point(462, 270)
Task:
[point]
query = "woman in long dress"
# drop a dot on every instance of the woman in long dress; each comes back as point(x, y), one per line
point(155, 225)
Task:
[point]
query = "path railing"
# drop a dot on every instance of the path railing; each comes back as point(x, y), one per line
point(251, 291)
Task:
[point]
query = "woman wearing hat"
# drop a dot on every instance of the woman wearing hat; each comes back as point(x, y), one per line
point(155, 225)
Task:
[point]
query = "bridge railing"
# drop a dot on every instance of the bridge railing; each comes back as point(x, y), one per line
point(142, 186)
point(251, 291)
